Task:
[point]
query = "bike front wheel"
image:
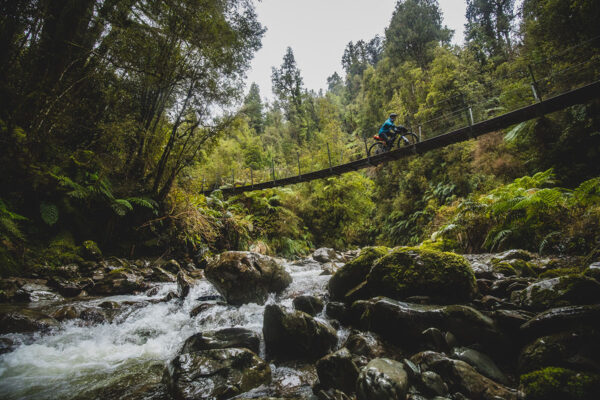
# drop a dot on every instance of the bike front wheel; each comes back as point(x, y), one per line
point(376, 148)
point(408, 139)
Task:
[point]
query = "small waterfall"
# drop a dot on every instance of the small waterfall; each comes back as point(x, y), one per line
point(125, 358)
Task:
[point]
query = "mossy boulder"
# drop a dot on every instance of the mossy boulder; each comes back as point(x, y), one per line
point(338, 371)
point(91, 251)
point(222, 339)
point(119, 281)
point(593, 271)
point(354, 272)
point(245, 277)
point(410, 271)
point(553, 383)
point(557, 292)
point(561, 319)
point(575, 349)
point(515, 267)
point(382, 379)
point(26, 320)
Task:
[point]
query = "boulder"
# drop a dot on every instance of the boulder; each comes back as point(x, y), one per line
point(215, 374)
point(296, 335)
point(65, 313)
point(433, 384)
point(402, 322)
point(171, 266)
point(119, 281)
point(338, 371)
point(91, 251)
point(382, 379)
point(482, 363)
point(354, 272)
point(409, 271)
point(555, 383)
point(11, 292)
point(515, 254)
point(309, 304)
point(338, 311)
point(575, 349)
point(366, 344)
point(561, 319)
point(463, 378)
point(593, 271)
point(70, 287)
point(245, 277)
point(222, 339)
point(184, 284)
point(25, 320)
point(161, 275)
point(324, 255)
point(560, 291)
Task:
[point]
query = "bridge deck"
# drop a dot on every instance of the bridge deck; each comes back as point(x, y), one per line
point(576, 96)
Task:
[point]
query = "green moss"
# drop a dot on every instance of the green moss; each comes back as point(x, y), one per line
point(554, 383)
point(61, 250)
point(412, 271)
point(117, 271)
point(355, 271)
point(568, 290)
point(91, 249)
point(524, 268)
point(442, 244)
point(505, 269)
point(554, 273)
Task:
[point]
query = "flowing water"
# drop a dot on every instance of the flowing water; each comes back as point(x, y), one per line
point(125, 358)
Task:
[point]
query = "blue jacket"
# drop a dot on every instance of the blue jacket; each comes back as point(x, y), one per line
point(387, 126)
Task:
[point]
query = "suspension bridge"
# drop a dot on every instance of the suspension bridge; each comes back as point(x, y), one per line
point(538, 107)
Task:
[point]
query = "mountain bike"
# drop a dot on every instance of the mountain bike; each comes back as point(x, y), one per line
point(400, 137)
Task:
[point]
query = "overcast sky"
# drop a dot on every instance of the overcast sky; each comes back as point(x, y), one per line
point(319, 30)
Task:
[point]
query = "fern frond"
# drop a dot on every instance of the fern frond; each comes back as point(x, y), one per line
point(143, 202)
point(49, 213)
point(121, 207)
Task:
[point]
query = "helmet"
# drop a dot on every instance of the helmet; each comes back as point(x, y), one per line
point(393, 115)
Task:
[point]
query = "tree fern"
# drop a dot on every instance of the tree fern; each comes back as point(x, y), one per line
point(8, 224)
point(49, 213)
point(121, 207)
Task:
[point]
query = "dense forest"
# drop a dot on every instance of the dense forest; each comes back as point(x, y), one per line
point(115, 115)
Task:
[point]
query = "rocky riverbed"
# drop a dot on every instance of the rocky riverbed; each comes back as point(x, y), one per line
point(404, 323)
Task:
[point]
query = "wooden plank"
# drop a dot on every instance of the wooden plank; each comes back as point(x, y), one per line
point(577, 96)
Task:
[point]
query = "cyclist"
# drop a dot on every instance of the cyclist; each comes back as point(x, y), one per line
point(388, 130)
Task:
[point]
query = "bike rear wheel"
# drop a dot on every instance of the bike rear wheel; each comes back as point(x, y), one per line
point(376, 148)
point(408, 139)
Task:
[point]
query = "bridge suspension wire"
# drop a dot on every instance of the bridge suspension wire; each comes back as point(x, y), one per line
point(536, 78)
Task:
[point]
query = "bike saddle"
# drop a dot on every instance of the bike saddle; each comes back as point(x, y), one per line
point(376, 137)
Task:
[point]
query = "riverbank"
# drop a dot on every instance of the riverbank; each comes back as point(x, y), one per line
point(505, 325)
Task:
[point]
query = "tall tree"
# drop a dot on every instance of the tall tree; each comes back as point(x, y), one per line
point(287, 86)
point(489, 26)
point(415, 28)
point(253, 108)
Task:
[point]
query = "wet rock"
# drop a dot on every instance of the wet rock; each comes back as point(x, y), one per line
point(222, 339)
point(91, 251)
point(118, 281)
point(161, 275)
point(561, 291)
point(515, 254)
point(244, 277)
point(354, 272)
point(93, 316)
point(172, 266)
point(70, 287)
point(463, 378)
point(482, 363)
point(67, 271)
point(6, 345)
point(201, 308)
point(25, 320)
point(509, 321)
point(576, 349)
point(338, 371)
point(65, 313)
point(433, 384)
point(170, 296)
point(409, 271)
point(184, 285)
point(402, 322)
point(382, 379)
point(338, 311)
point(324, 255)
point(296, 335)
point(109, 305)
point(483, 270)
point(329, 268)
point(365, 344)
point(309, 304)
point(11, 292)
point(152, 291)
point(562, 318)
point(215, 374)
point(434, 339)
point(554, 383)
